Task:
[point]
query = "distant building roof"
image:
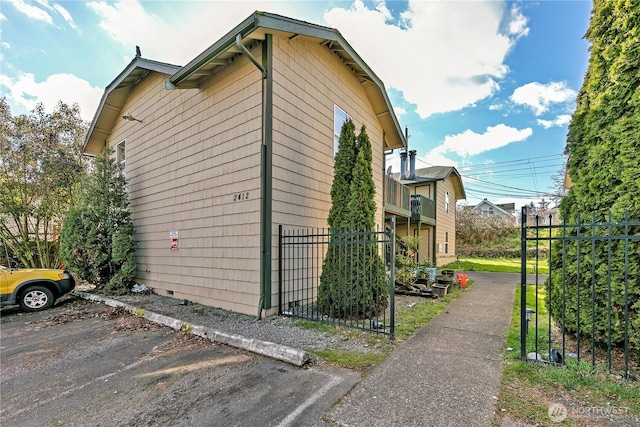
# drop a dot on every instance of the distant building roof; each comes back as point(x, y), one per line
point(507, 209)
point(435, 173)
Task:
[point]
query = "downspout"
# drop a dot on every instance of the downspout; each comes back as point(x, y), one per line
point(265, 171)
point(435, 227)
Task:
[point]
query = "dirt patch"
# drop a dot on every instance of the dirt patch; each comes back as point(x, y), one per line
point(183, 341)
point(72, 314)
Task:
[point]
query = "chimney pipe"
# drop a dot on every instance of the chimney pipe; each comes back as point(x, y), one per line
point(412, 164)
point(403, 165)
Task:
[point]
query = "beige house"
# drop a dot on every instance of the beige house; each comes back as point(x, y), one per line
point(223, 150)
point(433, 193)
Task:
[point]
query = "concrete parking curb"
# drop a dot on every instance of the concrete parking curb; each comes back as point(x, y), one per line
point(280, 352)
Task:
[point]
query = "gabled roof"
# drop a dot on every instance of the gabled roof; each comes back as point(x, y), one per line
point(493, 205)
point(223, 52)
point(436, 173)
point(255, 27)
point(114, 97)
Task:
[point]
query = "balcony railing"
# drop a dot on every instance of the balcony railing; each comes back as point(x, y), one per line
point(422, 207)
point(396, 194)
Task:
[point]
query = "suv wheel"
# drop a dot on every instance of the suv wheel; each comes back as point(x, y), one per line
point(36, 298)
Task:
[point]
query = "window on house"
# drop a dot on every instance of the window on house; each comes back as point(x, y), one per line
point(121, 154)
point(487, 212)
point(339, 117)
point(446, 202)
point(446, 242)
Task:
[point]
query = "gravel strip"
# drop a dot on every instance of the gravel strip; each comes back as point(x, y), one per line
point(277, 329)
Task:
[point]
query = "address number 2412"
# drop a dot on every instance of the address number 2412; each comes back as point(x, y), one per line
point(240, 196)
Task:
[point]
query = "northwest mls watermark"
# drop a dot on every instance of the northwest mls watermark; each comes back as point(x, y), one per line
point(559, 412)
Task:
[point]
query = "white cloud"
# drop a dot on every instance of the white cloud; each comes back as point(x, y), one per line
point(26, 92)
point(518, 24)
point(450, 56)
point(434, 158)
point(561, 120)
point(128, 23)
point(539, 97)
point(469, 143)
point(399, 111)
point(31, 11)
point(66, 15)
point(2, 17)
point(5, 45)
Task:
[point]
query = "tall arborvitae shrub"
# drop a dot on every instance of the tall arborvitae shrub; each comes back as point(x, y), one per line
point(603, 144)
point(97, 240)
point(352, 282)
point(368, 278)
point(342, 175)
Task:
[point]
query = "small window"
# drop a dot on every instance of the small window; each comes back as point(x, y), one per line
point(121, 155)
point(446, 202)
point(446, 242)
point(339, 117)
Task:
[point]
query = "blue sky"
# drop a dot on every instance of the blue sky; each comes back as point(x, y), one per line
point(486, 86)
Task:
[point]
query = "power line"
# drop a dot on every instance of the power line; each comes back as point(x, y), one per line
point(499, 172)
point(503, 186)
point(503, 170)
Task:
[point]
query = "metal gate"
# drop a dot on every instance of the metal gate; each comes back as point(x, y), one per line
point(588, 307)
point(302, 254)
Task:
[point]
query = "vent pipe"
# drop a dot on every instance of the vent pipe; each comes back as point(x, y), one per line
point(403, 165)
point(412, 164)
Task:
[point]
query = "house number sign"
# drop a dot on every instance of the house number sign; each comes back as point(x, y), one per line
point(240, 196)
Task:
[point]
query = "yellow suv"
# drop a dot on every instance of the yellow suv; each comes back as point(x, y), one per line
point(33, 289)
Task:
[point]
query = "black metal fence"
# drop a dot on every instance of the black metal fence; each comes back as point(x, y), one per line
point(588, 308)
point(302, 255)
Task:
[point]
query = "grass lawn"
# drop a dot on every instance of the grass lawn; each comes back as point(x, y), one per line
point(498, 265)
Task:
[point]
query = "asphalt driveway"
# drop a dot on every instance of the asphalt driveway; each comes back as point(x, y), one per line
point(82, 363)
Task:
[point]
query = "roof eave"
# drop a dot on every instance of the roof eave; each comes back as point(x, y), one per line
point(394, 137)
point(94, 141)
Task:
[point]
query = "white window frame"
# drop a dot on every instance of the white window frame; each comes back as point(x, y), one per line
point(121, 154)
point(339, 117)
point(446, 202)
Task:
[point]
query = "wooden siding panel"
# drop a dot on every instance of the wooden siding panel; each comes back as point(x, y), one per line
point(445, 222)
point(308, 81)
point(194, 151)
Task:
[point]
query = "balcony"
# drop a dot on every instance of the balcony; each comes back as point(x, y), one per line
point(396, 197)
point(423, 209)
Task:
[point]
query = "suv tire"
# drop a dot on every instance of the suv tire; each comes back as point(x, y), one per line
point(36, 298)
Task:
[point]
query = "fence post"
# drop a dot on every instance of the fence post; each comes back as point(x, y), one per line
point(392, 279)
point(523, 283)
point(280, 269)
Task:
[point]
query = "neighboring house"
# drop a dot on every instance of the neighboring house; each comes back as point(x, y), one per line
point(433, 193)
point(242, 139)
point(549, 216)
point(487, 209)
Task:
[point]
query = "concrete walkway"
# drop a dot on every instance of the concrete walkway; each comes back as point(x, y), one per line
point(448, 373)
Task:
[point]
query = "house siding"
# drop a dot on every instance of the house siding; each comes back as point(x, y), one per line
point(309, 80)
point(195, 152)
point(193, 164)
point(446, 222)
